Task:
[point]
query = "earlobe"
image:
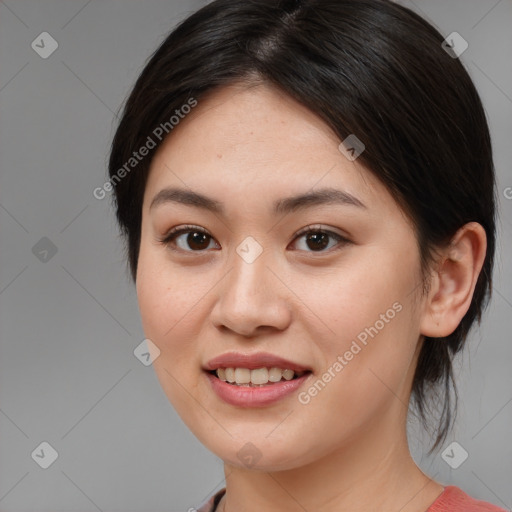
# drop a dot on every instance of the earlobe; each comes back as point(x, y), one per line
point(453, 281)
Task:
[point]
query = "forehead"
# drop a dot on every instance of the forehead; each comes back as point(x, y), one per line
point(235, 119)
point(249, 139)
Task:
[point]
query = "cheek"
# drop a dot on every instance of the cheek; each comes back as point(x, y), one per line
point(358, 295)
point(168, 303)
point(370, 349)
point(169, 308)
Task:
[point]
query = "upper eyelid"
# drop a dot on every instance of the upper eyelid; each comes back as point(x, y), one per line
point(301, 231)
point(180, 230)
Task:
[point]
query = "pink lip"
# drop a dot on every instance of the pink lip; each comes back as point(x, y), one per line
point(252, 361)
point(246, 396)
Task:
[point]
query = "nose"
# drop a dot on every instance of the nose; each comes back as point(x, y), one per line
point(252, 300)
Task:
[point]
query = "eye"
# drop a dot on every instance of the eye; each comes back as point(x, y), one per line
point(196, 239)
point(317, 239)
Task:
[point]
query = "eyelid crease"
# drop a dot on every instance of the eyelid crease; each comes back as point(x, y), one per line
point(315, 228)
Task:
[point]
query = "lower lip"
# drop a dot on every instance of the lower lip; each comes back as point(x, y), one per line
point(247, 396)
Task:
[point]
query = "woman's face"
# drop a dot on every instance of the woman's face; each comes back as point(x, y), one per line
point(347, 309)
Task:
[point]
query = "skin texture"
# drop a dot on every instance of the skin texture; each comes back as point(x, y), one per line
point(347, 448)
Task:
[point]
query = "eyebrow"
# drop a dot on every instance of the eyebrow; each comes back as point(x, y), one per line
point(281, 206)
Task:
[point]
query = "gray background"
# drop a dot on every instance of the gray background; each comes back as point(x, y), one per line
point(69, 321)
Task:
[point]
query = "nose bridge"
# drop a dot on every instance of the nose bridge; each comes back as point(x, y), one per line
point(247, 282)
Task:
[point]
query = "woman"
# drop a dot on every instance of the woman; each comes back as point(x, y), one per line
point(307, 194)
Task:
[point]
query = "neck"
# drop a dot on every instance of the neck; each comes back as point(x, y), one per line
point(375, 471)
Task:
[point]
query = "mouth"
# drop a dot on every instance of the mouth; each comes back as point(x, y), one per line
point(254, 380)
point(257, 377)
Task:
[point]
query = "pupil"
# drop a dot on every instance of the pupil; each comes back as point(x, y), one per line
point(316, 238)
point(197, 238)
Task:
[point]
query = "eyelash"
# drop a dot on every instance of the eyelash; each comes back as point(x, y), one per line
point(170, 236)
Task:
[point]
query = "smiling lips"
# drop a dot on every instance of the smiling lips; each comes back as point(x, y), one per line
point(254, 380)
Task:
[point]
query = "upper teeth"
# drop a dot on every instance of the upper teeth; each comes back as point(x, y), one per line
point(257, 376)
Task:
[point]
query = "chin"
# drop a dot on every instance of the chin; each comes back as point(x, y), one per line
point(258, 453)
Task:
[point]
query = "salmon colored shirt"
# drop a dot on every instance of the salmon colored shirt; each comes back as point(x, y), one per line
point(452, 499)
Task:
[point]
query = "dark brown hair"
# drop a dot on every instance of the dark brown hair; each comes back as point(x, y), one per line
point(371, 68)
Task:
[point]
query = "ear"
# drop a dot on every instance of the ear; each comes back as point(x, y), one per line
point(453, 281)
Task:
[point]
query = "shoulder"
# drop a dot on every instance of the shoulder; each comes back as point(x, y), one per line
point(453, 499)
point(211, 504)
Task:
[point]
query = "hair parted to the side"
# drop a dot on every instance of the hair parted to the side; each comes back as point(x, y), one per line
point(371, 68)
